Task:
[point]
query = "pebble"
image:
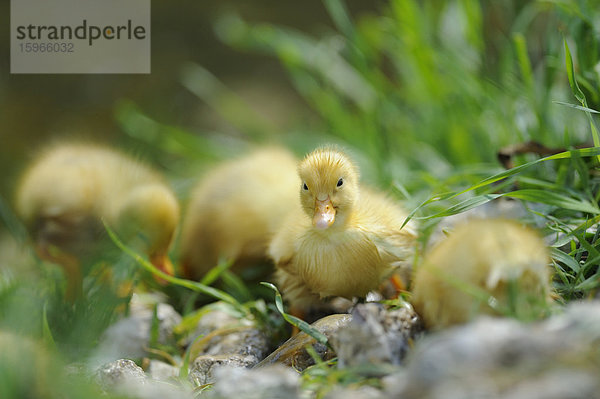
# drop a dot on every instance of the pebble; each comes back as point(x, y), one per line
point(293, 353)
point(270, 382)
point(376, 335)
point(203, 368)
point(502, 358)
point(124, 377)
point(161, 371)
point(222, 333)
point(118, 373)
point(363, 392)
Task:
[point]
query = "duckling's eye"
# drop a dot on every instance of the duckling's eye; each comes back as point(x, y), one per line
point(304, 187)
point(340, 182)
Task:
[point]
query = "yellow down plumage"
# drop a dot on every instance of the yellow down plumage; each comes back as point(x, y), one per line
point(69, 188)
point(471, 273)
point(236, 208)
point(341, 239)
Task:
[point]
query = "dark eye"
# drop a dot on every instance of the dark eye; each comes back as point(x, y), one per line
point(304, 186)
point(340, 182)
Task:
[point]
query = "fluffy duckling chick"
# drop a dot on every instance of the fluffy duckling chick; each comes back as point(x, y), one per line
point(343, 240)
point(483, 267)
point(236, 208)
point(70, 188)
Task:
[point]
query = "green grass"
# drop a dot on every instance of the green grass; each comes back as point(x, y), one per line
point(424, 102)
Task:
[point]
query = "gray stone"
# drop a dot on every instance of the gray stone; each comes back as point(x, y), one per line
point(271, 382)
point(376, 335)
point(124, 377)
point(293, 353)
point(363, 392)
point(224, 334)
point(162, 371)
point(502, 358)
point(203, 368)
point(157, 390)
point(215, 319)
point(118, 373)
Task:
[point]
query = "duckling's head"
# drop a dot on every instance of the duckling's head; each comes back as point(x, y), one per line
point(148, 216)
point(329, 187)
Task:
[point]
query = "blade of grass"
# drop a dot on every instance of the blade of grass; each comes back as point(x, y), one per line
point(339, 14)
point(565, 259)
point(531, 195)
point(236, 286)
point(185, 364)
point(214, 273)
point(463, 206)
point(571, 75)
point(293, 320)
point(579, 94)
point(46, 332)
point(579, 107)
point(523, 58)
point(583, 152)
point(554, 199)
point(192, 285)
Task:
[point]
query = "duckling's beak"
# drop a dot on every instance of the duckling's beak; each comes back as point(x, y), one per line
point(164, 264)
point(324, 214)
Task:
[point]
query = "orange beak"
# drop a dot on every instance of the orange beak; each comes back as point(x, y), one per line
point(164, 264)
point(324, 214)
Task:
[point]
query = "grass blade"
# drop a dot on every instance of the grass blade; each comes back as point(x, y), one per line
point(565, 259)
point(464, 206)
point(551, 199)
point(554, 199)
point(46, 332)
point(339, 14)
point(579, 107)
point(192, 285)
point(214, 273)
point(301, 324)
point(579, 94)
point(523, 58)
point(571, 75)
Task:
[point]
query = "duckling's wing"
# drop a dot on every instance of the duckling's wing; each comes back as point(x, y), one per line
point(396, 249)
point(284, 244)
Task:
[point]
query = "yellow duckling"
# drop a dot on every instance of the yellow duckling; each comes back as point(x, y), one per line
point(236, 208)
point(487, 266)
point(343, 240)
point(70, 188)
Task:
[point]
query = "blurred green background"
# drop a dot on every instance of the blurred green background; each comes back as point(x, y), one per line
point(35, 109)
point(415, 87)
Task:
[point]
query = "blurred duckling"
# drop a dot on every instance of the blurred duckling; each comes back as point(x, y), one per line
point(70, 188)
point(343, 240)
point(235, 210)
point(486, 266)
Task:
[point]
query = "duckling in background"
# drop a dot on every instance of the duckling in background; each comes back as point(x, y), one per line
point(236, 208)
point(343, 240)
point(481, 260)
point(70, 188)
